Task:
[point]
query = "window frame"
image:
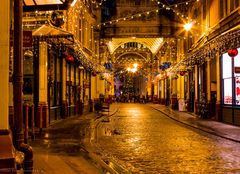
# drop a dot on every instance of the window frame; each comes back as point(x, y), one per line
point(233, 99)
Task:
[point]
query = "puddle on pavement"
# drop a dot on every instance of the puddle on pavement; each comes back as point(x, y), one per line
point(105, 129)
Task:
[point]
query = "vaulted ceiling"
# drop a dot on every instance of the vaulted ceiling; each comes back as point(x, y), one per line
point(153, 44)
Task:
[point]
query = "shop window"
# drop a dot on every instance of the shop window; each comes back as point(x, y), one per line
point(73, 94)
point(223, 8)
point(234, 4)
point(58, 93)
point(71, 84)
point(54, 79)
point(28, 63)
point(27, 85)
point(137, 2)
point(237, 3)
point(28, 73)
point(231, 5)
point(202, 81)
point(237, 84)
point(231, 79)
point(51, 95)
point(227, 90)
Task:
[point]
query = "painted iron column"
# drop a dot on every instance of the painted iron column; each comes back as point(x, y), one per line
point(196, 80)
point(17, 89)
point(218, 79)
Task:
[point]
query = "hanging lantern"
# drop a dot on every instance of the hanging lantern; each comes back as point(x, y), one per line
point(182, 73)
point(94, 73)
point(69, 58)
point(233, 52)
point(57, 18)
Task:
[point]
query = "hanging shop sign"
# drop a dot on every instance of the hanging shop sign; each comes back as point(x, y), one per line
point(237, 70)
point(27, 38)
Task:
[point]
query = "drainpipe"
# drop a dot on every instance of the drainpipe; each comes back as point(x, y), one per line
point(17, 89)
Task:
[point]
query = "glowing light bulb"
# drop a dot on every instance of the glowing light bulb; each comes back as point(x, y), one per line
point(134, 70)
point(188, 26)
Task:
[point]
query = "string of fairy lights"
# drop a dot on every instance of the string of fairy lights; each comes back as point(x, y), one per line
point(81, 8)
point(188, 60)
point(163, 6)
point(219, 45)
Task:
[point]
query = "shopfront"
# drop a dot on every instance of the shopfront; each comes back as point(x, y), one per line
point(73, 89)
point(54, 82)
point(230, 68)
point(191, 83)
point(49, 46)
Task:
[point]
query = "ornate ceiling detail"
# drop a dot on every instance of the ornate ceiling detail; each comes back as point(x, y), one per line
point(153, 44)
point(126, 59)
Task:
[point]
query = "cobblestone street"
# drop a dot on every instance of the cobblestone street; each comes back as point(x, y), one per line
point(143, 140)
point(60, 148)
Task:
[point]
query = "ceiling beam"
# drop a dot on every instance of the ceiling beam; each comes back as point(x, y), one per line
point(34, 2)
point(31, 8)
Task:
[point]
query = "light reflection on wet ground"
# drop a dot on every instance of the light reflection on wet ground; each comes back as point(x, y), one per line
point(145, 141)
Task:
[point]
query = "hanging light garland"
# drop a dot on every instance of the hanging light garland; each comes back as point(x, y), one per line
point(80, 9)
point(82, 59)
point(164, 6)
point(220, 45)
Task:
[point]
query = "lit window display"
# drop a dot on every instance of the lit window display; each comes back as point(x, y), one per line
point(237, 90)
point(228, 91)
point(231, 79)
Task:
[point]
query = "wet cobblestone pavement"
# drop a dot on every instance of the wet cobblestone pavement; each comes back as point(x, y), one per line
point(60, 149)
point(143, 140)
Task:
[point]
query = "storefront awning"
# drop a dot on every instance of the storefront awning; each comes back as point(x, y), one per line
point(50, 31)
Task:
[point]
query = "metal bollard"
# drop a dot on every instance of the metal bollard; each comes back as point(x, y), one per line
point(32, 123)
point(40, 118)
